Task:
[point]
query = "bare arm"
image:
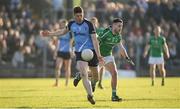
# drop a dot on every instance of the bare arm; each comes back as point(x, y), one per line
point(123, 51)
point(72, 49)
point(146, 50)
point(96, 47)
point(96, 44)
point(54, 33)
point(166, 50)
point(56, 49)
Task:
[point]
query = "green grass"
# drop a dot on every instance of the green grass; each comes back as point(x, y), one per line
point(137, 93)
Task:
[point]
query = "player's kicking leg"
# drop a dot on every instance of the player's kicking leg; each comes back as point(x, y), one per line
point(83, 68)
point(77, 79)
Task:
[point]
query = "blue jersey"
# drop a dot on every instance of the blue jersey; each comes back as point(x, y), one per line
point(64, 43)
point(82, 34)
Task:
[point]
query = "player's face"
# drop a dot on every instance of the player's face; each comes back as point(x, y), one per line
point(79, 17)
point(157, 31)
point(117, 27)
point(62, 25)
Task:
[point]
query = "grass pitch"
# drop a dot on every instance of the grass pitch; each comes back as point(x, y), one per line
point(137, 93)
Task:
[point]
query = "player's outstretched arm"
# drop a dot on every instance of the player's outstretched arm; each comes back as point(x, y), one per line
point(166, 50)
point(57, 33)
point(123, 52)
point(96, 46)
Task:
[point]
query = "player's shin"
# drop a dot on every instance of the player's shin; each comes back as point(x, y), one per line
point(94, 78)
point(163, 77)
point(83, 68)
point(152, 74)
point(86, 83)
point(57, 74)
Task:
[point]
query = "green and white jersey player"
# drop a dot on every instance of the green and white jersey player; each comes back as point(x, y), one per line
point(108, 39)
point(156, 47)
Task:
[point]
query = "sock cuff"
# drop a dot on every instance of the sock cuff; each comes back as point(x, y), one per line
point(113, 90)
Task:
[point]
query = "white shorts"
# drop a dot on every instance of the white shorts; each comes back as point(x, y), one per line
point(109, 59)
point(156, 60)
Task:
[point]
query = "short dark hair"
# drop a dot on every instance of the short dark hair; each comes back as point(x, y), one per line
point(78, 9)
point(116, 20)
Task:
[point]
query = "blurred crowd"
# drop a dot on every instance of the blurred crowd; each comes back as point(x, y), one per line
point(22, 46)
point(140, 18)
point(20, 43)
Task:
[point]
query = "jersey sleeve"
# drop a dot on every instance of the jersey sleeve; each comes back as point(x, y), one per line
point(99, 31)
point(91, 28)
point(71, 34)
point(69, 25)
point(103, 34)
point(163, 40)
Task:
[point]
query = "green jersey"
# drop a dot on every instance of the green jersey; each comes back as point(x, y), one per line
point(156, 46)
point(99, 31)
point(108, 40)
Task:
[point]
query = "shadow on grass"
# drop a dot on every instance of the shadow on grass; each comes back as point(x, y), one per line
point(150, 99)
point(23, 107)
point(25, 90)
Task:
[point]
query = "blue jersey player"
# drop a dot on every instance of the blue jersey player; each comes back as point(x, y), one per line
point(84, 38)
point(63, 54)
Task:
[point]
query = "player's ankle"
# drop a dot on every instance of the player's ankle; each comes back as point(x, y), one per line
point(114, 92)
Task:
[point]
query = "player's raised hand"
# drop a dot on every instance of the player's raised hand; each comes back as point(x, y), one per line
point(44, 33)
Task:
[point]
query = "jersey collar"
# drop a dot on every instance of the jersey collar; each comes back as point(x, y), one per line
point(81, 22)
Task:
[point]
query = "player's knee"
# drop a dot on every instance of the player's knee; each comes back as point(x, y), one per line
point(67, 70)
point(162, 70)
point(57, 68)
point(152, 70)
point(80, 68)
point(84, 75)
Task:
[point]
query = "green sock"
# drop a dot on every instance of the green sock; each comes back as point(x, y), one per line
point(113, 92)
